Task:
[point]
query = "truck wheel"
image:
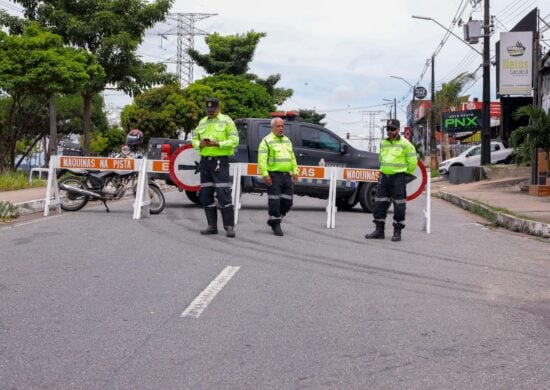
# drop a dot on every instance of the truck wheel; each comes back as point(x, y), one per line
point(193, 196)
point(343, 204)
point(366, 195)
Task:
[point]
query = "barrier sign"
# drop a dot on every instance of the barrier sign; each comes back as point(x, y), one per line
point(311, 172)
point(184, 168)
point(416, 187)
point(160, 166)
point(361, 174)
point(113, 164)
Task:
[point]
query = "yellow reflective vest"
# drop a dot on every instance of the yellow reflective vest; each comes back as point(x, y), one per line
point(222, 129)
point(275, 154)
point(397, 156)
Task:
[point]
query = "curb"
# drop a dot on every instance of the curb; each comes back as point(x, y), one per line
point(510, 222)
point(32, 206)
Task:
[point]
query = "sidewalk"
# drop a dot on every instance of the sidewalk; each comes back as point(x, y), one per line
point(503, 191)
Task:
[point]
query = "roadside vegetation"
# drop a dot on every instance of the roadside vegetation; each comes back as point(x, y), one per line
point(10, 181)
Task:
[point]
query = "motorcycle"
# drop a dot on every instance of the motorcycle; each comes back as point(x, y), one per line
point(81, 186)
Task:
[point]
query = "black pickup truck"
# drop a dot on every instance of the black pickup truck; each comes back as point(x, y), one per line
point(313, 145)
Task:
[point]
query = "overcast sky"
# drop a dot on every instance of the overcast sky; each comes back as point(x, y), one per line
point(338, 56)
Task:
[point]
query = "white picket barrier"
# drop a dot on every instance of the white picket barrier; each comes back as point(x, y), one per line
point(333, 175)
point(143, 166)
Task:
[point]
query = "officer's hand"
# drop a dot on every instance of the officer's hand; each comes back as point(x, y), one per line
point(267, 181)
point(203, 144)
point(295, 179)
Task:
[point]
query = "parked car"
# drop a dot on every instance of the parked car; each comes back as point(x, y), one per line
point(500, 154)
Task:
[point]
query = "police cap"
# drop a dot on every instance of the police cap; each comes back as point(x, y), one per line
point(393, 124)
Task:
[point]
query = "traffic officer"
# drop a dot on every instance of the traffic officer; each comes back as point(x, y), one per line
point(279, 170)
point(397, 163)
point(216, 138)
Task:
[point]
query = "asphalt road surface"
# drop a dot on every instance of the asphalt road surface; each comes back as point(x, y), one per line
point(96, 300)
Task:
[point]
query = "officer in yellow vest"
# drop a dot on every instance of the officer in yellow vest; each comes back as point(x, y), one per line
point(397, 163)
point(278, 167)
point(216, 138)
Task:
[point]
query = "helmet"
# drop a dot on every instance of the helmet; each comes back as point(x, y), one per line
point(134, 138)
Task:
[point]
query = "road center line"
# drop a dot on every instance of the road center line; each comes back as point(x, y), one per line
point(209, 293)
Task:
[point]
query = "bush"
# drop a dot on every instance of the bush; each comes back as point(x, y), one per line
point(17, 180)
point(8, 211)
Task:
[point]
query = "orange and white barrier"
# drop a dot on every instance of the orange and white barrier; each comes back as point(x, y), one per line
point(333, 175)
point(143, 166)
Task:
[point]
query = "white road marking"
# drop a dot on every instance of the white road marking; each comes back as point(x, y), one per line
point(209, 293)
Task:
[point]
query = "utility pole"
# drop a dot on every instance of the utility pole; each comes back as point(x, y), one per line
point(486, 118)
point(433, 145)
point(185, 31)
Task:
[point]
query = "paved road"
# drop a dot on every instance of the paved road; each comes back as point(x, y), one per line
point(93, 300)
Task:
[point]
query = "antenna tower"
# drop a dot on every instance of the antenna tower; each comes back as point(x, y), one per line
point(185, 31)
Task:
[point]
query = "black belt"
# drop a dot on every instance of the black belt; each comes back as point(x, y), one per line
point(221, 158)
point(279, 173)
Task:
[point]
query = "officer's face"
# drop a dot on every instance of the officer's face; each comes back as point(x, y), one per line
point(212, 112)
point(278, 128)
point(392, 133)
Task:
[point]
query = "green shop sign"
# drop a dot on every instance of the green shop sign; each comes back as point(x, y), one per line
point(457, 121)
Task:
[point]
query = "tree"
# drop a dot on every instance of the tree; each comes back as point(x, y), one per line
point(231, 55)
point(240, 98)
point(33, 67)
point(312, 116)
point(228, 54)
point(112, 31)
point(162, 112)
point(534, 135)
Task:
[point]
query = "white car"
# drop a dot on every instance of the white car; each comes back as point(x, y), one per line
point(471, 157)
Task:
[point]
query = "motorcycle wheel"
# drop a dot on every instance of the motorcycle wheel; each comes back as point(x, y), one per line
point(69, 200)
point(158, 203)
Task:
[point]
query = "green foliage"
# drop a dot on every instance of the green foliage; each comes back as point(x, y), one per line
point(34, 66)
point(312, 116)
point(228, 54)
point(162, 112)
point(112, 31)
point(536, 134)
point(239, 97)
point(16, 180)
point(231, 55)
point(8, 211)
point(70, 114)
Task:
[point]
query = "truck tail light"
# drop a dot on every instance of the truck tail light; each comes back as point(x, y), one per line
point(165, 152)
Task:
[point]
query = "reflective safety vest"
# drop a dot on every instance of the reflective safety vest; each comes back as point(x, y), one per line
point(275, 154)
point(222, 129)
point(397, 156)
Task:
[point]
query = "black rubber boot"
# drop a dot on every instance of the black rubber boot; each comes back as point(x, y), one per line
point(276, 227)
point(228, 217)
point(378, 232)
point(275, 224)
point(212, 220)
point(397, 227)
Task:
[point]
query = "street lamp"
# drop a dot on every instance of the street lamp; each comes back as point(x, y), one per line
point(394, 101)
point(413, 98)
point(486, 119)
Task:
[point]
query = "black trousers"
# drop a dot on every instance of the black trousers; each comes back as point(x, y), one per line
point(391, 188)
point(215, 179)
point(279, 194)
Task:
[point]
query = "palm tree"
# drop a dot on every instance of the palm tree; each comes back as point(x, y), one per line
point(536, 134)
point(450, 96)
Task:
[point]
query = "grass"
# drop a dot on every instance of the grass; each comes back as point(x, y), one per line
point(18, 180)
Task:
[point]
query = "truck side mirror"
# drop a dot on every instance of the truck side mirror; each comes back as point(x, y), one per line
point(343, 148)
